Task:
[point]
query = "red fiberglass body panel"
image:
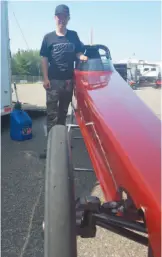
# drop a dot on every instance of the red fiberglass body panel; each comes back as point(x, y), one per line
point(122, 136)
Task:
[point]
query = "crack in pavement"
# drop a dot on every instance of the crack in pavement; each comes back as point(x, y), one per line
point(30, 223)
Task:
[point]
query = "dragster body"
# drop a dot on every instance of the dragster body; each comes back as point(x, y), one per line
point(122, 136)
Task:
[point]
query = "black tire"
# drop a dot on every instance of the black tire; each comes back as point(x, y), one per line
point(60, 219)
point(150, 253)
point(156, 86)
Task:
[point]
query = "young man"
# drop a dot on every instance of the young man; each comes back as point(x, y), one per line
point(59, 50)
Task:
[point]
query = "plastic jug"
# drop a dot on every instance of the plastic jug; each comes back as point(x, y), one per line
point(20, 125)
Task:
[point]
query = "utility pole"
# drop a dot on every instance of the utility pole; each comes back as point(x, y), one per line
point(91, 36)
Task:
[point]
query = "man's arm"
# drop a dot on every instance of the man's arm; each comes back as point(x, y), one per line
point(79, 50)
point(45, 67)
point(44, 54)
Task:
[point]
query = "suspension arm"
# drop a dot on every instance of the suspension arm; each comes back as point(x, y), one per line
point(90, 213)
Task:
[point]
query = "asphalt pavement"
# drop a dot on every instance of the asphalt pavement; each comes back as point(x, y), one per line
point(22, 187)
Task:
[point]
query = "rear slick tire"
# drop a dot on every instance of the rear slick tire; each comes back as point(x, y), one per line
point(60, 219)
point(150, 253)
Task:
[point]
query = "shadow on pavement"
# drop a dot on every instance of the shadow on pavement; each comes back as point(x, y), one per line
point(143, 85)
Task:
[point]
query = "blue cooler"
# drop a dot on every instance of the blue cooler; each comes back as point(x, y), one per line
point(20, 125)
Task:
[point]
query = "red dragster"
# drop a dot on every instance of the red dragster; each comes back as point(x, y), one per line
point(122, 136)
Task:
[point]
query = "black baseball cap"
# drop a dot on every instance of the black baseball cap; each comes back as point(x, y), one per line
point(62, 9)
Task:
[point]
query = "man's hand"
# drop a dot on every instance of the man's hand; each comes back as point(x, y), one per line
point(83, 58)
point(46, 84)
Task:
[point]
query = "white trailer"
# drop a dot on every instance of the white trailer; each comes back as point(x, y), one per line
point(6, 90)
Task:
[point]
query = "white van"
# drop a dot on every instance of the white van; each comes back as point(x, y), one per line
point(6, 90)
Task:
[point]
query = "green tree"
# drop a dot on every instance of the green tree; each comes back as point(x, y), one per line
point(26, 63)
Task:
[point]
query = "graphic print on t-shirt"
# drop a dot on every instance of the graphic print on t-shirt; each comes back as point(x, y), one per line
point(61, 53)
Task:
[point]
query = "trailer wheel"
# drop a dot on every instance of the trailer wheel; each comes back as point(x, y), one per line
point(134, 87)
point(156, 86)
point(60, 220)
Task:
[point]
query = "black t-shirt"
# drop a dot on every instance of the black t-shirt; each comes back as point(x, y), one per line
point(61, 53)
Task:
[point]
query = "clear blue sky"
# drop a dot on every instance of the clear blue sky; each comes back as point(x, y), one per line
point(126, 27)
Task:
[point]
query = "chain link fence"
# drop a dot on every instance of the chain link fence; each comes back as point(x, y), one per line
point(26, 79)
